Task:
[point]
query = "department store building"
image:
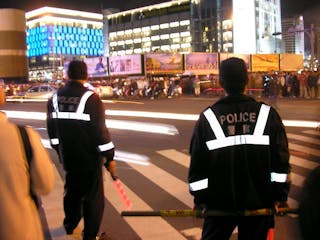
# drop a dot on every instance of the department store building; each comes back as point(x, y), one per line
point(56, 35)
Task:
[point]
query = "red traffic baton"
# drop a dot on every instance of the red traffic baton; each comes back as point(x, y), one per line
point(122, 194)
point(201, 214)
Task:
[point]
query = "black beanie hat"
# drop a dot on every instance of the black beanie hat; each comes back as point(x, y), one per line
point(233, 75)
point(77, 70)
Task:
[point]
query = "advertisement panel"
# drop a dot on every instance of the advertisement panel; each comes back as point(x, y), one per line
point(126, 65)
point(97, 66)
point(244, 57)
point(291, 62)
point(264, 62)
point(164, 63)
point(201, 63)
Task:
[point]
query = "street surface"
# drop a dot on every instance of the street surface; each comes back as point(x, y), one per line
point(153, 166)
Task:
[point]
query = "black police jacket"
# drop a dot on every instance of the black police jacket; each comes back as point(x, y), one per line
point(239, 156)
point(77, 129)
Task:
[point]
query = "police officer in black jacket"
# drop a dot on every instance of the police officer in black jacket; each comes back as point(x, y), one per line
point(239, 160)
point(77, 131)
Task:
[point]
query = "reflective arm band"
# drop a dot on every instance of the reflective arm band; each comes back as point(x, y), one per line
point(279, 177)
point(105, 147)
point(199, 185)
point(54, 141)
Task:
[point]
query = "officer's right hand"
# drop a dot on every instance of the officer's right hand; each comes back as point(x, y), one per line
point(111, 167)
point(202, 208)
point(278, 206)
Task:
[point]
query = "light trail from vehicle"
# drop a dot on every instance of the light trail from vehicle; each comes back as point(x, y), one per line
point(122, 156)
point(162, 115)
point(147, 127)
point(297, 123)
point(158, 128)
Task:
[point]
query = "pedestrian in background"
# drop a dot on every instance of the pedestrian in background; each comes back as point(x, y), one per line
point(77, 130)
point(239, 160)
point(302, 77)
point(19, 214)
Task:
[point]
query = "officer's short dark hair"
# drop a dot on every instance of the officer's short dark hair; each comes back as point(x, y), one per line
point(233, 75)
point(77, 70)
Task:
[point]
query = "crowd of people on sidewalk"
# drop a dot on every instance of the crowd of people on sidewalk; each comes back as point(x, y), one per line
point(304, 84)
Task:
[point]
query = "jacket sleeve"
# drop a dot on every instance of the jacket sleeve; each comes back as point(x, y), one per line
point(41, 169)
point(280, 167)
point(100, 131)
point(51, 127)
point(198, 170)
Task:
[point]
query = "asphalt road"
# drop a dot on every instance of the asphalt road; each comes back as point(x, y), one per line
point(156, 178)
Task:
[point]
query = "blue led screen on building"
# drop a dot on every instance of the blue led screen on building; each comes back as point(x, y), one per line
point(64, 40)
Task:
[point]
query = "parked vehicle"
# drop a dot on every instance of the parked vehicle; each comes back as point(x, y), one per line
point(40, 92)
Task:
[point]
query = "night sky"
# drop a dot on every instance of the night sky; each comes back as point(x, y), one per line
point(289, 7)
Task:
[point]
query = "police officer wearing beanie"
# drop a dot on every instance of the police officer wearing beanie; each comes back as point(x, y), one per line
point(239, 159)
point(77, 131)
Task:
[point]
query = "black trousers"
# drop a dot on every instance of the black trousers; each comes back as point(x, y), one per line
point(84, 197)
point(249, 228)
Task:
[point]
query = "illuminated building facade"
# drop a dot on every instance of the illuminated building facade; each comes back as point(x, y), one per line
point(161, 27)
point(239, 26)
point(55, 35)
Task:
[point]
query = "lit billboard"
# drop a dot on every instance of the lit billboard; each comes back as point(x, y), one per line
point(164, 63)
point(126, 65)
point(201, 63)
point(264, 62)
point(291, 62)
point(97, 66)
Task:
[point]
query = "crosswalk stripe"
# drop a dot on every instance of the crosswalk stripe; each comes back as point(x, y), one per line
point(166, 181)
point(176, 156)
point(193, 233)
point(308, 150)
point(303, 138)
point(297, 179)
point(312, 132)
point(301, 162)
point(141, 225)
point(292, 203)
